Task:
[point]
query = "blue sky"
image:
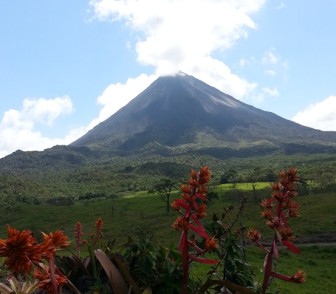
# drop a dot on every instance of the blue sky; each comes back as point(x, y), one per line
point(66, 65)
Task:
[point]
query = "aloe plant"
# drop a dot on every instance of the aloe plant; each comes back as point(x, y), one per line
point(18, 287)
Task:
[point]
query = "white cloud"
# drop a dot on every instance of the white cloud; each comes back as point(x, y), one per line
point(273, 92)
point(270, 72)
point(179, 35)
point(115, 96)
point(171, 35)
point(180, 32)
point(265, 93)
point(271, 57)
point(250, 61)
point(320, 115)
point(18, 127)
point(219, 75)
point(243, 62)
point(274, 64)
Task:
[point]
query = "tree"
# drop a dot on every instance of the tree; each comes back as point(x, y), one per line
point(229, 176)
point(254, 177)
point(164, 188)
point(211, 196)
point(270, 176)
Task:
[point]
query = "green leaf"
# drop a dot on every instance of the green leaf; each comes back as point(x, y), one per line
point(117, 282)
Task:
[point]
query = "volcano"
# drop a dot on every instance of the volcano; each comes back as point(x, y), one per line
point(183, 112)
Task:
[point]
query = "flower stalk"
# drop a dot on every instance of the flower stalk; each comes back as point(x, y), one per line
point(191, 208)
point(276, 209)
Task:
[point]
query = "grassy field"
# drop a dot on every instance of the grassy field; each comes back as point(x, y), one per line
point(143, 215)
point(243, 186)
point(317, 261)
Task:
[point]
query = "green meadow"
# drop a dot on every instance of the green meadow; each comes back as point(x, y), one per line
point(142, 215)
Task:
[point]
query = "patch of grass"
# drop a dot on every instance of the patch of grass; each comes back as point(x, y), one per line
point(148, 211)
point(143, 215)
point(317, 261)
point(244, 186)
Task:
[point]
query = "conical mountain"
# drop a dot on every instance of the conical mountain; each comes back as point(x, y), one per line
point(181, 110)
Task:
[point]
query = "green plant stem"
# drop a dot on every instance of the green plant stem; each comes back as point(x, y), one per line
point(94, 267)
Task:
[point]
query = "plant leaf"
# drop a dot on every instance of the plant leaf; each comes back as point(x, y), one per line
point(284, 277)
point(5, 289)
point(117, 282)
point(275, 250)
point(267, 270)
point(29, 287)
point(183, 241)
point(200, 231)
point(14, 284)
point(126, 274)
point(291, 246)
point(203, 260)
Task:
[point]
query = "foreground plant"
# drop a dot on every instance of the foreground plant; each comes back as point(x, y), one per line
point(276, 209)
point(18, 287)
point(22, 253)
point(153, 267)
point(192, 207)
point(233, 273)
point(147, 268)
point(84, 272)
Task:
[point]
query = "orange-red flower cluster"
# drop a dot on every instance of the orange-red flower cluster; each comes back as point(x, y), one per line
point(299, 276)
point(99, 228)
point(276, 210)
point(53, 242)
point(253, 234)
point(282, 203)
point(42, 274)
point(78, 236)
point(211, 244)
point(201, 211)
point(286, 233)
point(191, 207)
point(98, 235)
point(180, 223)
point(20, 251)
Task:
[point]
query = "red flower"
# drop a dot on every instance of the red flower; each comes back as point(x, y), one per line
point(192, 207)
point(180, 223)
point(286, 233)
point(268, 213)
point(293, 208)
point(267, 203)
point(201, 211)
point(20, 251)
point(175, 205)
point(53, 242)
point(253, 234)
point(270, 224)
point(78, 235)
point(186, 189)
point(204, 175)
point(99, 228)
point(275, 209)
point(45, 280)
point(211, 244)
point(193, 174)
point(300, 276)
